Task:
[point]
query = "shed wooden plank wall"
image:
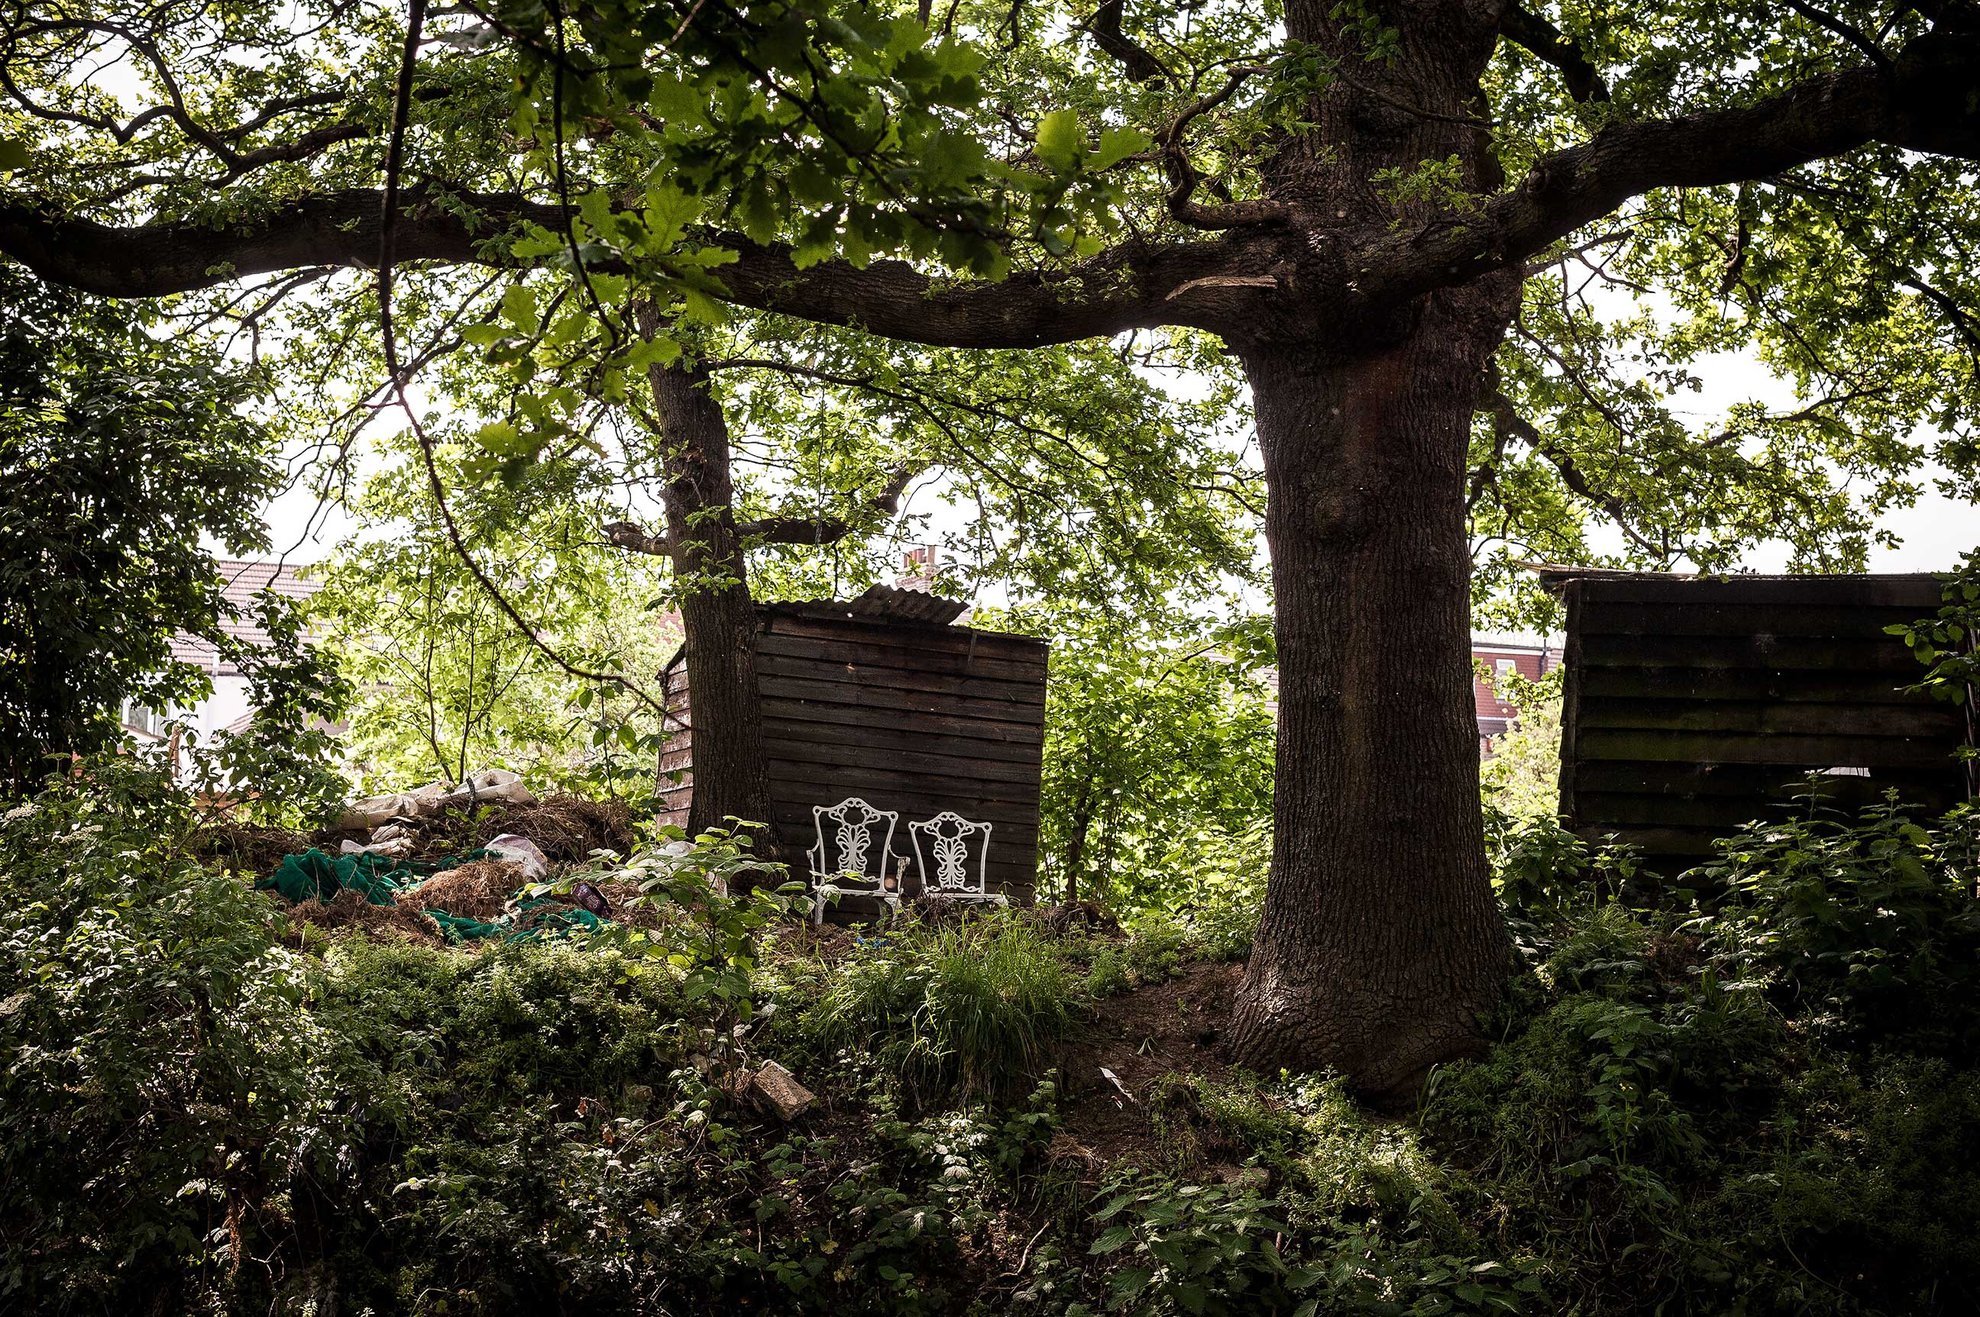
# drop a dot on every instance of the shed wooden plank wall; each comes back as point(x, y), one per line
point(1692, 706)
point(677, 755)
point(913, 718)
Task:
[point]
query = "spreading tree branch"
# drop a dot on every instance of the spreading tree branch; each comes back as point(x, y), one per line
point(1547, 43)
point(1136, 60)
point(1126, 287)
point(829, 530)
point(1507, 422)
point(1182, 174)
point(631, 537)
point(1929, 101)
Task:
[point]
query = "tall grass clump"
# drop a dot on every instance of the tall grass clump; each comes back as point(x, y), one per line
point(965, 1010)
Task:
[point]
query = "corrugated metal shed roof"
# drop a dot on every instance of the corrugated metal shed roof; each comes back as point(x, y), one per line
point(882, 603)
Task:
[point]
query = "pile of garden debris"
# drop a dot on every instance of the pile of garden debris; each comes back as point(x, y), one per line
point(439, 864)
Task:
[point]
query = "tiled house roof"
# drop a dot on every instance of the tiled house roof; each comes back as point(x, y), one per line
point(244, 581)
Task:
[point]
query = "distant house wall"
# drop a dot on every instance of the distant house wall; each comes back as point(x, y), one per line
point(228, 707)
point(1692, 706)
point(1495, 713)
point(909, 715)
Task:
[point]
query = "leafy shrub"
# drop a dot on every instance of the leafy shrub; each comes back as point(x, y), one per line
point(706, 937)
point(1522, 779)
point(1544, 873)
point(1154, 949)
point(163, 1071)
point(1193, 1248)
point(1867, 924)
point(1751, 1108)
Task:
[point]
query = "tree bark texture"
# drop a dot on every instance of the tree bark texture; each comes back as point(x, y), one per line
point(1380, 943)
point(718, 617)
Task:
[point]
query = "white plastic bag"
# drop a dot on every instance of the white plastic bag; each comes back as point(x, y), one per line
point(522, 852)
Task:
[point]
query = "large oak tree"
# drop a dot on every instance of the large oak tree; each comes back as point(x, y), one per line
point(1382, 209)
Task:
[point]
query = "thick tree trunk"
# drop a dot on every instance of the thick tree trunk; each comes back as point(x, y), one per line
point(1380, 943)
point(718, 617)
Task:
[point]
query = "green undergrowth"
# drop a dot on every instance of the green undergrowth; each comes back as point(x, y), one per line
point(1764, 1106)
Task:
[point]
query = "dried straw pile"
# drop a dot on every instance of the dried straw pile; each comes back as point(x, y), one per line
point(477, 891)
point(566, 828)
point(349, 909)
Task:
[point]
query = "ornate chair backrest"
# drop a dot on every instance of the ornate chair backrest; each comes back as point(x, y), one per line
point(847, 840)
point(948, 836)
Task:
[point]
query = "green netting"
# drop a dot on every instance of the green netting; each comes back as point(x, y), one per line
point(542, 918)
point(316, 876)
point(532, 920)
point(464, 928)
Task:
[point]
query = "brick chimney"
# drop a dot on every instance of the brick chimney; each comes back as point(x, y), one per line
point(918, 568)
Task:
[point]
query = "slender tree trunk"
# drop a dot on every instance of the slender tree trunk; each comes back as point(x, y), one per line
point(718, 617)
point(1076, 844)
point(1380, 943)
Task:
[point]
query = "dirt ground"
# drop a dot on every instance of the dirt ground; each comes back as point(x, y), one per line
point(1143, 1036)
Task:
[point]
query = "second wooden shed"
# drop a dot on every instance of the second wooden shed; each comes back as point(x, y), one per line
point(1692, 705)
point(884, 698)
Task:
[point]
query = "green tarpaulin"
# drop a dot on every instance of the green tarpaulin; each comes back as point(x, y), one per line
point(315, 875)
point(530, 922)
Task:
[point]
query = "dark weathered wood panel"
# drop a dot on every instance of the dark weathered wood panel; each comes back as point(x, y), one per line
point(1784, 621)
point(1795, 752)
point(1870, 655)
point(1904, 590)
point(985, 664)
point(931, 639)
point(811, 725)
point(976, 689)
point(1725, 813)
point(926, 725)
point(1863, 690)
point(1757, 781)
point(885, 700)
point(1913, 718)
point(819, 784)
point(1693, 707)
point(851, 753)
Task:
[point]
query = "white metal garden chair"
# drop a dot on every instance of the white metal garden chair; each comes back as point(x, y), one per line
point(847, 862)
point(950, 838)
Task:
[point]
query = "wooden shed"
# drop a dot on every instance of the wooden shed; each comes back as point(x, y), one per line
point(884, 698)
point(1693, 705)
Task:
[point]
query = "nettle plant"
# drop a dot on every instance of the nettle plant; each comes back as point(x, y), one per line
point(1196, 1248)
point(1948, 643)
point(715, 897)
